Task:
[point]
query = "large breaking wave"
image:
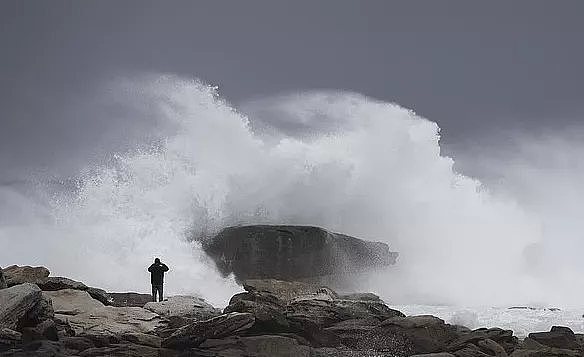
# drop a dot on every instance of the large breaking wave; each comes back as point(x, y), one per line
point(334, 159)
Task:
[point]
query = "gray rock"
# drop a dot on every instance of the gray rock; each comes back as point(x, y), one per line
point(293, 252)
point(54, 283)
point(121, 350)
point(284, 290)
point(558, 336)
point(100, 295)
point(143, 339)
point(184, 306)
point(221, 326)
point(9, 338)
point(46, 330)
point(502, 337)
point(3, 284)
point(269, 311)
point(15, 275)
point(87, 316)
point(130, 299)
point(22, 306)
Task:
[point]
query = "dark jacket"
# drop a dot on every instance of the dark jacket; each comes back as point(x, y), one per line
point(157, 273)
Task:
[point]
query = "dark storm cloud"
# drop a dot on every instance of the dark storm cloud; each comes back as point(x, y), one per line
point(471, 66)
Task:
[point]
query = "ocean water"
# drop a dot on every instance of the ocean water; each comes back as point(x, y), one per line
point(521, 320)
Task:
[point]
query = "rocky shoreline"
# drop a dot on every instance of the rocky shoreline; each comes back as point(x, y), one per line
point(41, 315)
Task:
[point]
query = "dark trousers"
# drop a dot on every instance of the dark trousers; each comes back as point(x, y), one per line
point(156, 289)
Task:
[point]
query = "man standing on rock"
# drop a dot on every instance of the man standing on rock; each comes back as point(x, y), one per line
point(157, 271)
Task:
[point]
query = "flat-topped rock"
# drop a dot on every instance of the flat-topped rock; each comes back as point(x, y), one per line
point(15, 275)
point(293, 252)
point(184, 306)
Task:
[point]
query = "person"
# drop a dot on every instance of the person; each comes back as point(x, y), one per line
point(157, 271)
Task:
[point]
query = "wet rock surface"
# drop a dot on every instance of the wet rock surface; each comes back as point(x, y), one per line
point(271, 318)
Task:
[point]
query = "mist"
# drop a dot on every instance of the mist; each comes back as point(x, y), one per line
point(177, 162)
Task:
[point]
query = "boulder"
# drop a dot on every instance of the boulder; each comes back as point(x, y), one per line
point(3, 284)
point(89, 317)
point(9, 338)
point(284, 290)
point(15, 275)
point(269, 311)
point(221, 326)
point(504, 338)
point(46, 330)
point(324, 310)
point(143, 339)
point(22, 306)
point(54, 283)
point(121, 350)
point(293, 252)
point(100, 295)
point(130, 299)
point(184, 306)
point(410, 335)
point(558, 336)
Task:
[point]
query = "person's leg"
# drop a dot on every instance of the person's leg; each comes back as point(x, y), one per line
point(154, 293)
point(160, 292)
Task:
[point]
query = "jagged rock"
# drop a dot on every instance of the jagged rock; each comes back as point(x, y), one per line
point(547, 352)
point(54, 283)
point(40, 348)
point(9, 338)
point(412, 334)
point(23, 305)
point(221, 326)
point(184, 306)
point(15, 275)
point(74, 344)
point(72, 302)
point(284, 290)
point(100, 295)
point(2, 280)
point(293, 252)
point(558, 336)
point(350, 332)
point(502, 337)
point(46, 330)
point(268, 310)
point(121, 350)
point(130, 299)
point(90, 318)
point(324, 310)
point(143, 339)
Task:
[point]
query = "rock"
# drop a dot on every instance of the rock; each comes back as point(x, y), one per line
point(22, 306)
point(184, 306)
point(102, 324)
point(121, 350)
point(100, 295)
point(40, 348)
point(130, 299)
point(9, 338)
point(284, 290)
point(361, 297)
point(350, 332)
point(410, 335)
point(143, 339)
point(221, 326)
point(72, 302)
point(558, 336)
point(547, 352)
point(292, 252)
point(441, 354)
point(269, 311)
point(54, 283)
point(3, 284)
point(15, 275)
point(46, 330)
point(502, 337)
point(74, 344)
point(324, 310)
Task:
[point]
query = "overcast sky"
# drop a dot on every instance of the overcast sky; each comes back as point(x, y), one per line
point(476, 68)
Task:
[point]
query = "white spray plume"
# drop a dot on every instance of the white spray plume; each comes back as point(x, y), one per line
point(333, 159)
